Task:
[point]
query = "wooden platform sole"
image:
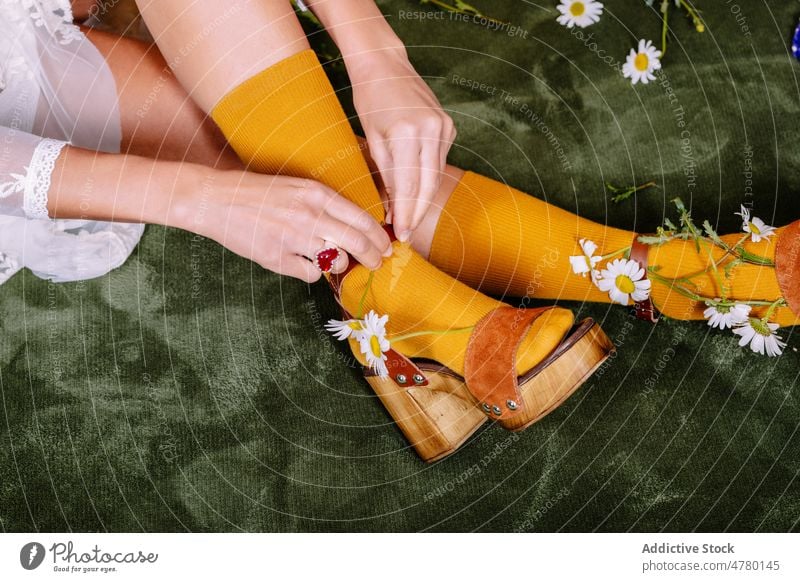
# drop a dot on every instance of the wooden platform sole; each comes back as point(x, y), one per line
point(548, 385)
point(437, 419)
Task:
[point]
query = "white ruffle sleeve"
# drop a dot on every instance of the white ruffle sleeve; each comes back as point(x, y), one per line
point(55, 88)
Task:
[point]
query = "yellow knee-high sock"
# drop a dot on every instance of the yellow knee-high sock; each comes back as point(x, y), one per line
point(287, 120)
point(504, 241)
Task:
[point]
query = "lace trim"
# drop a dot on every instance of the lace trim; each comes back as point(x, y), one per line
point(37, 179)
point(54, 15)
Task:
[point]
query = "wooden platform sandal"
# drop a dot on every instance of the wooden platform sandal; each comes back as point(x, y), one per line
point(438, 410)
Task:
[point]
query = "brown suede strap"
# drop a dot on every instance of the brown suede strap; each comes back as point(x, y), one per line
point(787, 265)
point(645, 310)
point(490, 368)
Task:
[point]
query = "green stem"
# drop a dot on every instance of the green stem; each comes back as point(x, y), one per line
point(664, 27)
point(367, 287)
point(621, 194)
point(671, 284)
point(713, 301)
point(736, 250)
point(746, 255)
point(752, 303)
point(615, 253)
point(406, 336)
point(696, 20)
point(773, 306)
point(714, 266)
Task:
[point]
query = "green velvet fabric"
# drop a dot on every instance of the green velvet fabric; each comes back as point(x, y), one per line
point(191, 390)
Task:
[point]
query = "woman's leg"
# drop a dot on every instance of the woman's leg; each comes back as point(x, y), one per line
point(265, 88)
point(503, 241)
point(159, 120)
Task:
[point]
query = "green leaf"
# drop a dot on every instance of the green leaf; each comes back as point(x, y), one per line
point(625, 193)
point(731, 266)
point(712, 234)
point(622, 196)
point(653, 240)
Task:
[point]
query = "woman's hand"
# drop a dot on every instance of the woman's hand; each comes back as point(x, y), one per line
point(281, 222)
point(409, 134)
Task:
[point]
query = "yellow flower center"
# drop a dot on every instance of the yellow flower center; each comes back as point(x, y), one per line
point(375, 346)
point(625, 284)
point(754, 229)
point(577, 9)
point(355, 325)
point(641, 62)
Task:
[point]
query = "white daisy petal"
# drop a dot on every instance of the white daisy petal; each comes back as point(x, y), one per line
point(342, 330)
point(618, 296)
point(580, 13)
point(374, 344)
point(585, 263)
point(623, 279)
point(641, 63)
point(579, 266)
point(754, 226)
point(724, 317)
point(761, 336)
point(588, 247)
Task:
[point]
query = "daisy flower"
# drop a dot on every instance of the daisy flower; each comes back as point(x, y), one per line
point(623, 279)
point(585, 263)
point(757, 228)
point(343, 330)
point(642, 62)
point(580, 13)
point(373, 343)
point(724, 316)
point(760, 336)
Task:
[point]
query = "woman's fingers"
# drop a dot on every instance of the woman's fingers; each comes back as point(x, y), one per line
point(347, 238)
point(341, 264)
point(406, 176)
point(316, 245)
point(382, 158)
point(328, 215)
point(449, 134)
point(342, 209)
point(299, 268)
point(430, 180)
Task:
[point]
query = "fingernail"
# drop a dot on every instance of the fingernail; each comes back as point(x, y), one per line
point(404, 236)
point(388, 252)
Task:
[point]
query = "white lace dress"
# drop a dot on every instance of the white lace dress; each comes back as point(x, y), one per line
point(55, 89)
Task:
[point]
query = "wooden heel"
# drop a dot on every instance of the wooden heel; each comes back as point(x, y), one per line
point(548, 385)
point(437, 418)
